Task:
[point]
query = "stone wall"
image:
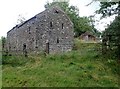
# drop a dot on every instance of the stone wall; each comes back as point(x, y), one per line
point(50, 30)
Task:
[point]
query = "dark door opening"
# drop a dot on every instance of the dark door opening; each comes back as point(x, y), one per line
point(47, 48)
point(24, 50)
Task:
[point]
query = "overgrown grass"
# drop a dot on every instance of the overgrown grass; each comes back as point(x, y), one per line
point(83, 67)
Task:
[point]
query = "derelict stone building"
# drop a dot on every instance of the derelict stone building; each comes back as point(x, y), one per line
point(50, 31)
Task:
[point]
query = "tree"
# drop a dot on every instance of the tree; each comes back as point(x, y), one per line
point(113, 35)
point(3, 39)
point(109, 9)
point(81, 24)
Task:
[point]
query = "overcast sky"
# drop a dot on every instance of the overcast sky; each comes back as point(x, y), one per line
point(11, 9)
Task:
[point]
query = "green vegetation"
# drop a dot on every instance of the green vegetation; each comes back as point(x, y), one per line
point(2, 43)
point(111, 35)
point(83, 67)
point(109, 8)
point(0, 63)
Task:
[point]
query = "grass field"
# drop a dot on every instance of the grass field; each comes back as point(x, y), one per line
point(82, 67)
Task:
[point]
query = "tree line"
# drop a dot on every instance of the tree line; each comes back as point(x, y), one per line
point(111, 35)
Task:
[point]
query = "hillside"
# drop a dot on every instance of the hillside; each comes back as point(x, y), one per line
point(82, 67)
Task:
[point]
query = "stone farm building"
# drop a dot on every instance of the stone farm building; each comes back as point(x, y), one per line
point(88, 36)
point(50, 31)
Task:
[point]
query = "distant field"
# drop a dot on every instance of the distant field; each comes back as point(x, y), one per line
point(82, 67)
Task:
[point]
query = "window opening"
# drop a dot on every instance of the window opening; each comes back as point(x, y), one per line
point(62, 25)
point(51, 24)
point(56, 11)
point(57, 40)
point(29, 30)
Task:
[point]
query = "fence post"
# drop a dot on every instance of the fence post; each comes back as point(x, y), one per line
point(104, 46)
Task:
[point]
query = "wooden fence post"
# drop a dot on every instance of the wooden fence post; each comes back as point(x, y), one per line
point(104, 46)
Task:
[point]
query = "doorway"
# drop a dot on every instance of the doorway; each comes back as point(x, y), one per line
point(24, 50)
point(47, 47)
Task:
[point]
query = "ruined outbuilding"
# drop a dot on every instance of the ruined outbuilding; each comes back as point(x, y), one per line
point(50, 31)
point(88, 36)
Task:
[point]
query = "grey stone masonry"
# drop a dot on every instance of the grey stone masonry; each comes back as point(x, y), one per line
point(50, 31)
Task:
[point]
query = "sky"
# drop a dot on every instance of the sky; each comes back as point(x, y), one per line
point(11, 9)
